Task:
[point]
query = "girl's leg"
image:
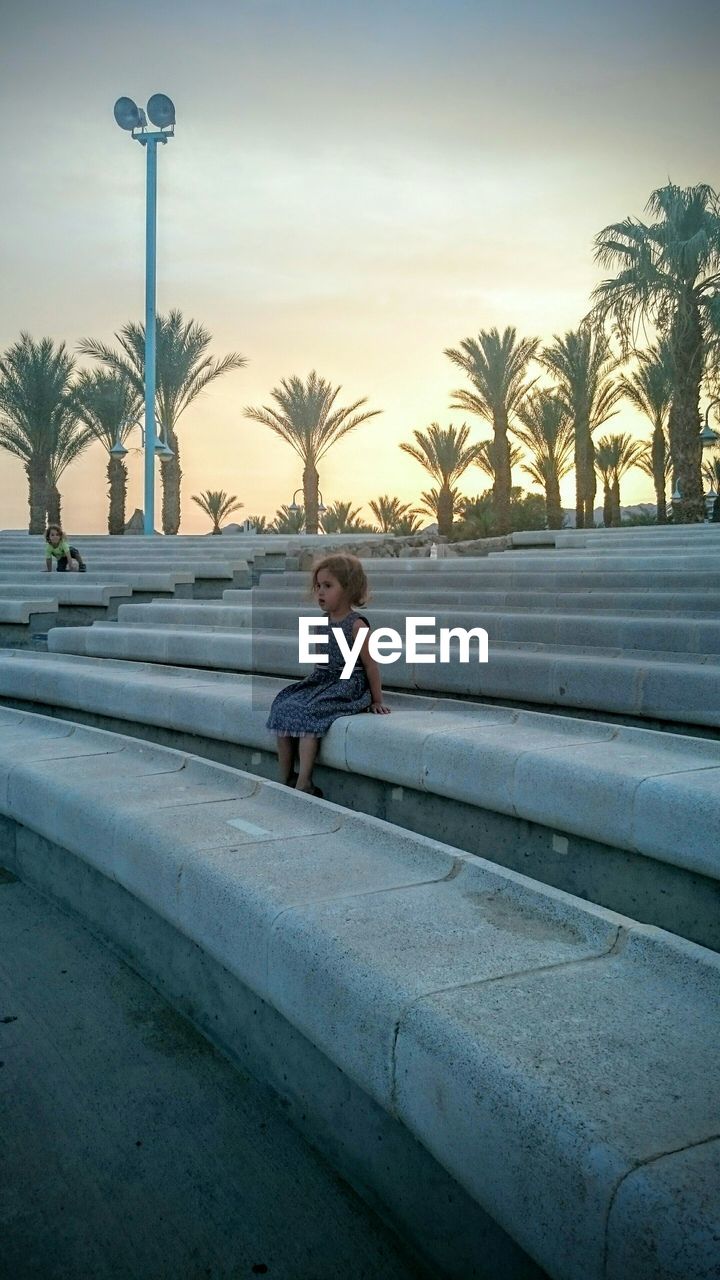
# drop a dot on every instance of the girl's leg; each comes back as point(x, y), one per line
point(286, 748)
point(307, 750)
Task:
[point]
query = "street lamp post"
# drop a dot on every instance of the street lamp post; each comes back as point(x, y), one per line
point(294, 506)
point(129, 116)
point(708, 440)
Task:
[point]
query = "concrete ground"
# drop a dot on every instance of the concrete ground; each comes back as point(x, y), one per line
point(131, 1149)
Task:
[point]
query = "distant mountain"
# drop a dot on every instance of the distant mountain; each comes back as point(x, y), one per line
point(640, 509)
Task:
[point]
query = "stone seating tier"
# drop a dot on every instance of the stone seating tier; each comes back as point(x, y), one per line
point(558, 1059)
point(67, 589)
point(618, 629)
point(74, 603)
point(491, 574)
point(141, 583)
point(21, 620)
point(685, 603)
point(662, 687)
point(522, 763)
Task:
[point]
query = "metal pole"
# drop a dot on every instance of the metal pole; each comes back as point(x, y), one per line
point(150, 247)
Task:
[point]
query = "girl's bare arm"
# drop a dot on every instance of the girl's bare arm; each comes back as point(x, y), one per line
point(372, 671)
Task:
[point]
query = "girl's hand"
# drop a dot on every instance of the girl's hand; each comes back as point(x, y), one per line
point(379, 709)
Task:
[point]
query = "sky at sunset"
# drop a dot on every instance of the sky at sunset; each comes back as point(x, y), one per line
point(352, 187)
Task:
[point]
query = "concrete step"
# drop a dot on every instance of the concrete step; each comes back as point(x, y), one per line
point(616, 630)
point(491, 575)
point(662, 687)
point(651, 794)
point(682, 603)
point(543, 1050)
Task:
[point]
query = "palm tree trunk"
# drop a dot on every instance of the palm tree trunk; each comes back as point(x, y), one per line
point(311, 480)
point(579, 475)
point(445, 511)
point(553, 506)
point(171, 476)
point(658, 467)
point(37, 495)
point(117, 492)
point(54, 504)
point(684, 420)
point(590, 486)
point(502, 480)
point(615, 503)
point(607, 504)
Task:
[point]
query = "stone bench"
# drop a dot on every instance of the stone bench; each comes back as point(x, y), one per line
point(664, 687)
point(682, 603)
point(660, 535)
point(207, 580)
point(78, 602)
point(23, 618)
point(615, 557)
point(143, 586)
point(557, 1059)
point(473, 774)
point(494, 576)
point(616, 630)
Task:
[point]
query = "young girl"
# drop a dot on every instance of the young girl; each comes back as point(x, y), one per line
point(58, 548)
point(303, 712)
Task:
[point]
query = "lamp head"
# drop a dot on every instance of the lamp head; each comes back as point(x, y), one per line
point(163, 451)
point(127, 114)
point(161, 110)
point(293, 506)
point(708, 437)
point(118, 450)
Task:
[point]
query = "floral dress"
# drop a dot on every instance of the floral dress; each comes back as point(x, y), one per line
point(308, 707)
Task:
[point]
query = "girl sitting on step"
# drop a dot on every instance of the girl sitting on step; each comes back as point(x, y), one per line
point(303, 712)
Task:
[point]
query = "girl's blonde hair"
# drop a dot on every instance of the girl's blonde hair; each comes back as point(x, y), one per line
point(349, 573)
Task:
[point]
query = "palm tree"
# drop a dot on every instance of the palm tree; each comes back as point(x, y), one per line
point(287, 521)
point(306, 420)
point(71, 439)
point(389, 512)
point(614, 456)
point(259, 522)
point(183, 370)
point(407, 525)
point(547, 433)
point(497, 367)
point(218, 505)
point(341, 518)
point(108, 404)
point(647, 462)
point(446, 455)
point(650, 389)
point(486, 458)
point(581, 363)
point(668, 273)
point(436, 501)
point(34, 385)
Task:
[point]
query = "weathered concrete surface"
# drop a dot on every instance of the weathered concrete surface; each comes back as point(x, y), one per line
point(131, 1148)
point(655, 793)
point(606, 1054)
point(543, 1049)
point(663, 686)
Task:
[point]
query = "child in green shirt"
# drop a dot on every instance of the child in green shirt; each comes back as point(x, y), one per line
point(58, 548)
